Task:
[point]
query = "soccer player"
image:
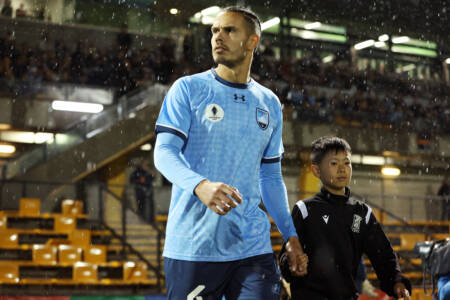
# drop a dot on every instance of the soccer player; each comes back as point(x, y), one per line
point(335, 230)
point(219, 143)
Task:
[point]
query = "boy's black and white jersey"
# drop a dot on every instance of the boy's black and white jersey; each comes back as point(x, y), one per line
point(335, 231)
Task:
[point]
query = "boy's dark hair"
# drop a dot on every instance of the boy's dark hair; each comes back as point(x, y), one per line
point(325, 144)
point(250, 17)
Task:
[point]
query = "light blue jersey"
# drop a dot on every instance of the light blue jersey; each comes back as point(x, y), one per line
point(227, 131)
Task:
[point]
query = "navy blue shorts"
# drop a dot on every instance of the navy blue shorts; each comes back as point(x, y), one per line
point(252, 278)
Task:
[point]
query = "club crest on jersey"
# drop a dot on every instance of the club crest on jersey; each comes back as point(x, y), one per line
point(356, 223)
point(262, 118)
point(214, 113)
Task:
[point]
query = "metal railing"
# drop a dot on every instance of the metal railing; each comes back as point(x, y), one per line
point(80, 131)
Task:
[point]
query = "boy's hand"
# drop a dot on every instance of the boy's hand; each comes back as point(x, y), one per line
point(298, 260)
point(400, 291)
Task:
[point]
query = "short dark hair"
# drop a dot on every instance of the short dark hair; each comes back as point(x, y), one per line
point(325, 144)
point(250, 17)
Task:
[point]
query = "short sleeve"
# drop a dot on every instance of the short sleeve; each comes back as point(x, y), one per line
point(175, 114)
point(274, 150)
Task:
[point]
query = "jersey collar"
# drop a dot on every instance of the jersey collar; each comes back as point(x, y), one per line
point(231, 84)
point(326, 195)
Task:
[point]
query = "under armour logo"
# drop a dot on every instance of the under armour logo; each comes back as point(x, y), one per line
point(239, 98)
point(325, 218)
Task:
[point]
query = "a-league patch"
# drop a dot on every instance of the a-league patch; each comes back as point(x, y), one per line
point(262, 118)
point(214, 113)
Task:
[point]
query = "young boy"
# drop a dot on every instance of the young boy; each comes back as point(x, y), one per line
point(335, 230)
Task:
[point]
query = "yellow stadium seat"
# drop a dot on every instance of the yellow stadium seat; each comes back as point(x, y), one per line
point(418, 294)
point(64, 223)
point(72, 207)
point(95, 254)
point(9, 272)
point(84, 272)
point(3, 221)
point(134, 271)
point(440, 236)
point(9, 239)
point(44, 254)
point(408, 240)
point(81, 237)
point(69, 254)
point(29, 206)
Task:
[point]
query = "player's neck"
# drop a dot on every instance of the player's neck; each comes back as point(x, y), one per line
point(238, 74)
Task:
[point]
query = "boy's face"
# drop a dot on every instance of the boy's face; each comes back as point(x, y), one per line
point(335, 171)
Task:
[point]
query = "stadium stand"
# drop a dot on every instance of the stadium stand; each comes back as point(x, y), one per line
point(69, 248)
point(31, 253)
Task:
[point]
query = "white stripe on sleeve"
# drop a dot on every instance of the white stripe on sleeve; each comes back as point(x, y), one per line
point(369, 211)
point(303, 209)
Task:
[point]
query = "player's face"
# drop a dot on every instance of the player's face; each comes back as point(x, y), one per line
point(335, 171)
point(230, 39)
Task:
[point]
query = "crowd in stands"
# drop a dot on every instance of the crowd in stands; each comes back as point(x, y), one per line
point(310, 90)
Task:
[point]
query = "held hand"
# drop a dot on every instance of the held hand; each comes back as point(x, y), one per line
point(298, 260)
point(400, 291)
point(218, 196)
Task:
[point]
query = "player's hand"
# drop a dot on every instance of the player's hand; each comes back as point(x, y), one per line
point(218, 196)
point(401, 292)
point(298, 260)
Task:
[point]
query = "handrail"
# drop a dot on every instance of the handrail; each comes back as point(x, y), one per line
point(157, 269)
point(80, 131)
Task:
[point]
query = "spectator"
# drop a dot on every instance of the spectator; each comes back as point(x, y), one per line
point(7, 9)
point(142, 179)
point(124, 40)
point(444, 193)
point(21, 12)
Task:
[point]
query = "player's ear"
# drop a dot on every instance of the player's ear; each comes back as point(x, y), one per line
point(253, 41)
point(315, 170)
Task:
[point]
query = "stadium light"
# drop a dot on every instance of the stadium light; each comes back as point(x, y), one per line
point(365, 44)
point(174, 11)
point(7, 149)
point(383, 38)
point(390, 171)
point(373, 160)
point(328, 59)
point(406, 68)
point(448, 61)
point(210, 11)
point(270, 23)
point(313, 25)
point(27, 137)
point(146, 147)
point(77, 106)
point(400, 39)
point(380, 44)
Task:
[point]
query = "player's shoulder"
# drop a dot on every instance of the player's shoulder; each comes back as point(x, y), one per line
point(267, 93)
point(192, 82)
